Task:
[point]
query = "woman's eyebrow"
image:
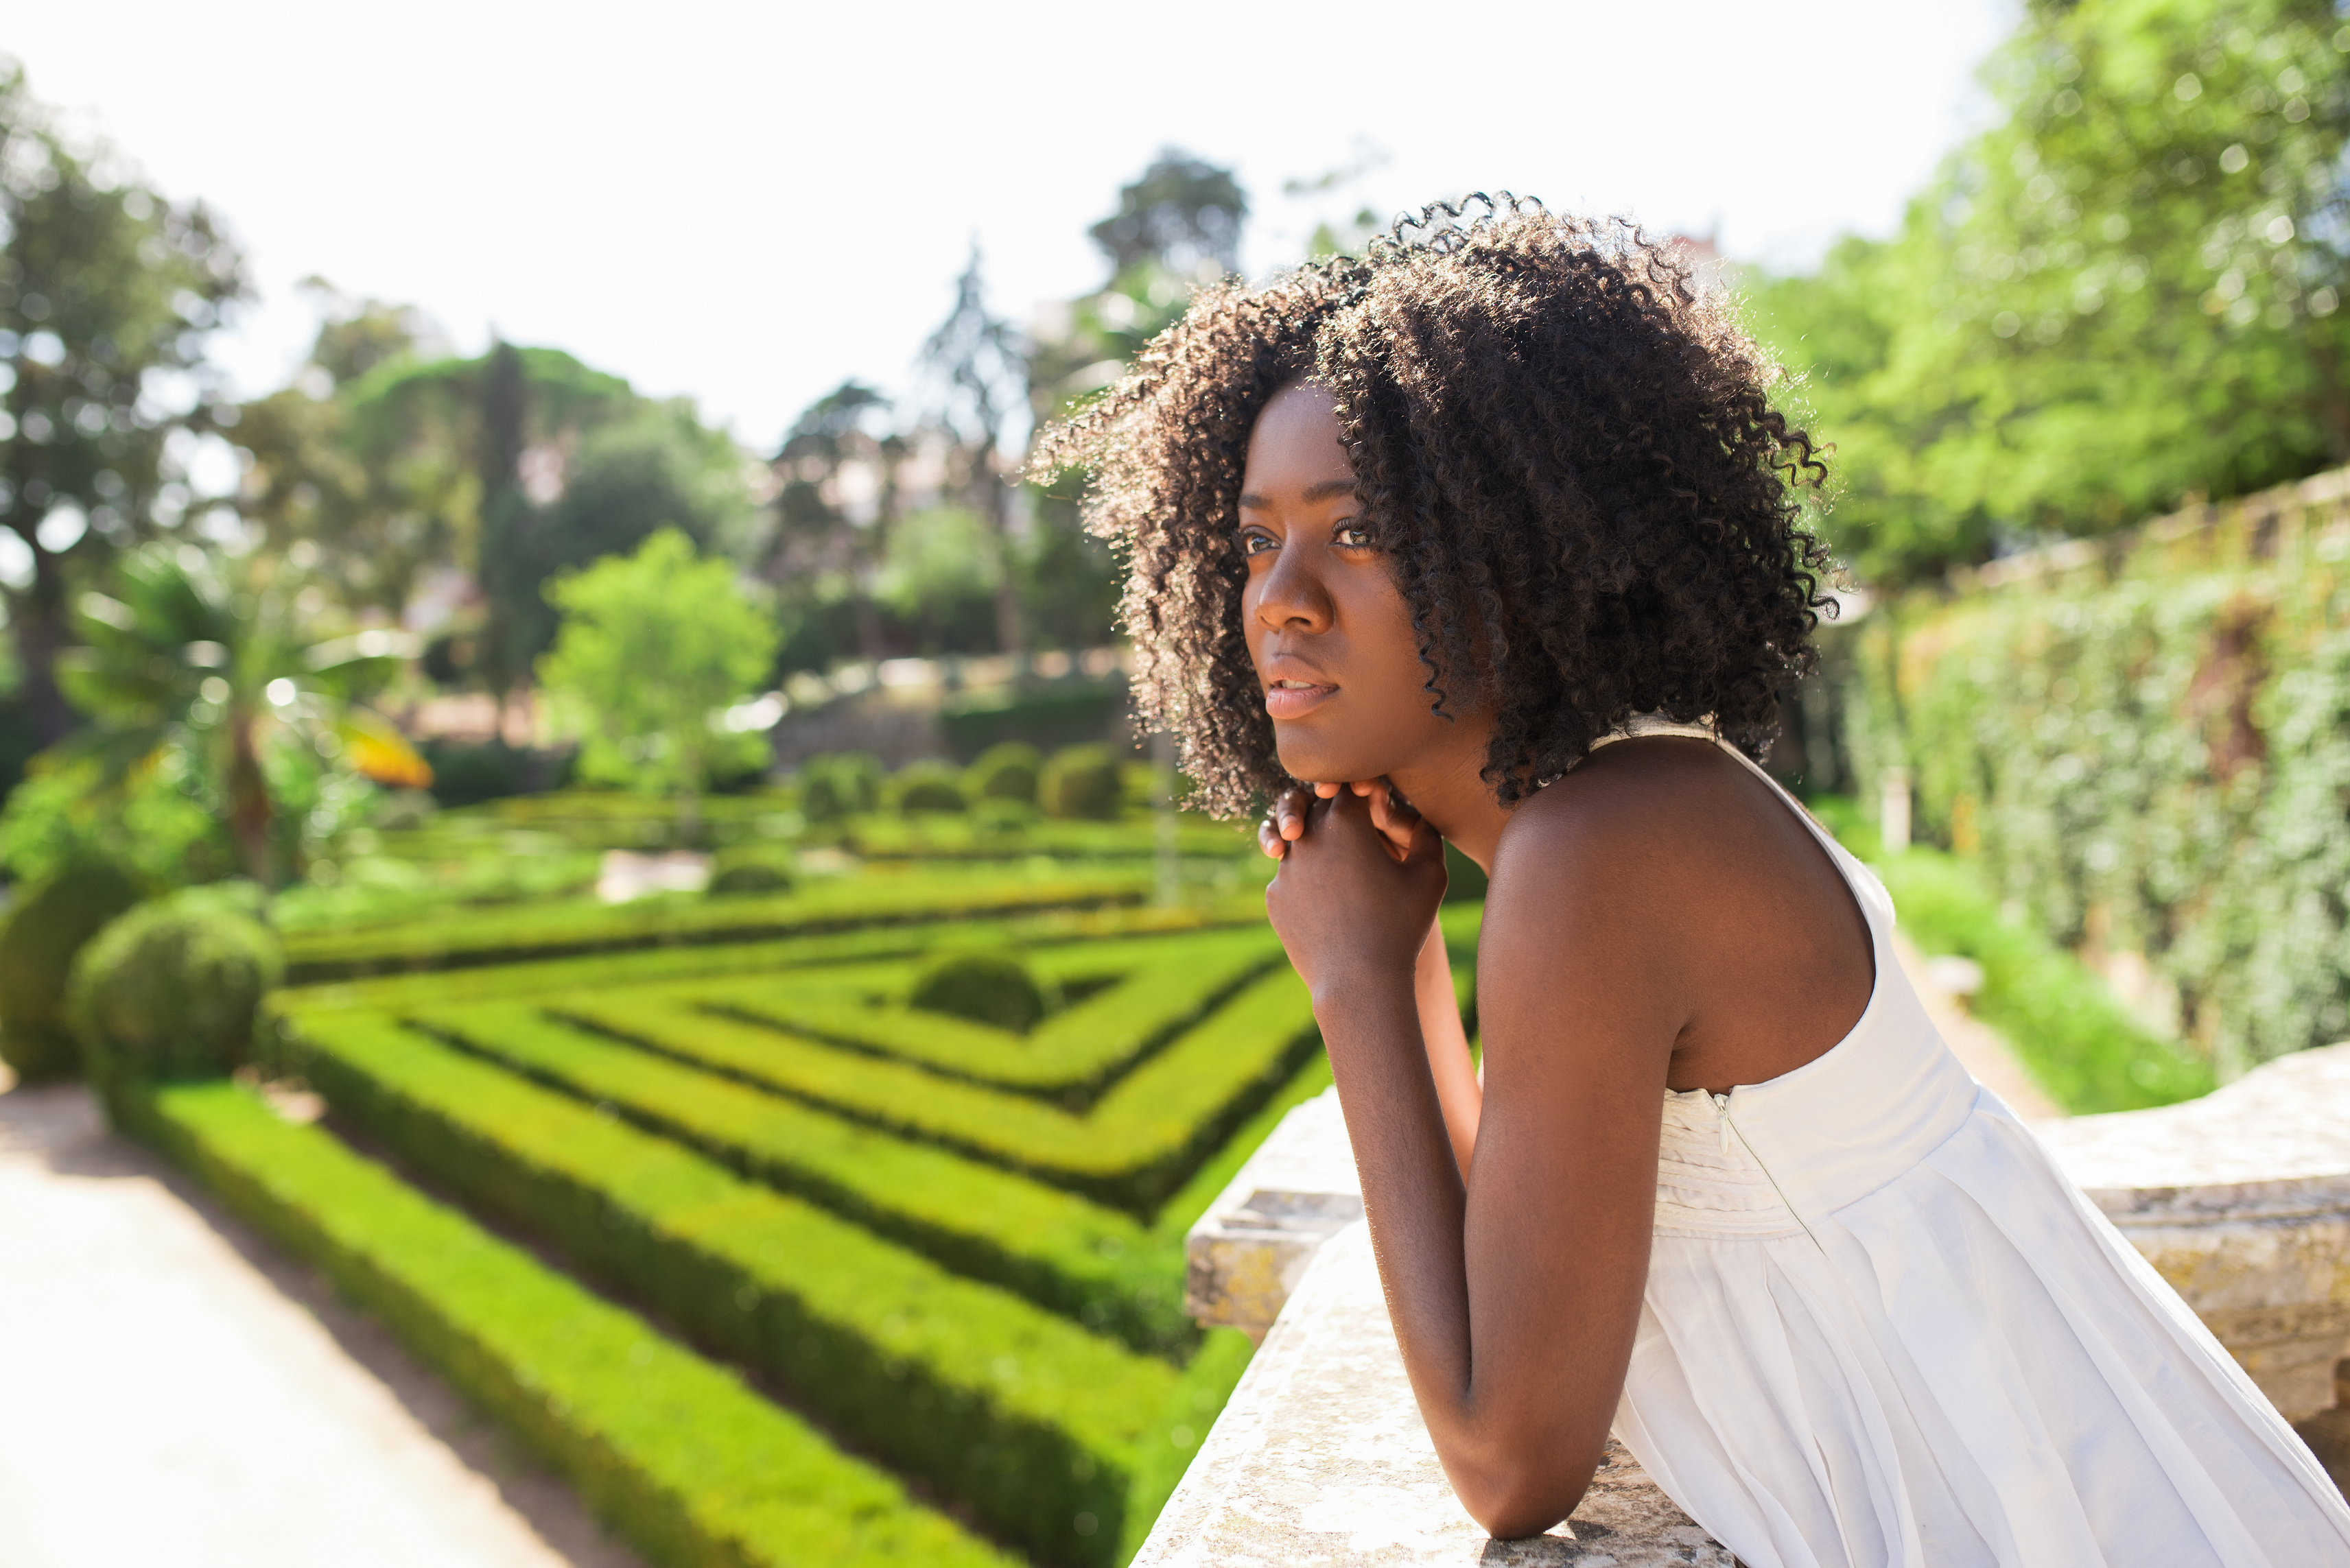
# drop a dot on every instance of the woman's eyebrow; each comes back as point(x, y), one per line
point(1251, 501)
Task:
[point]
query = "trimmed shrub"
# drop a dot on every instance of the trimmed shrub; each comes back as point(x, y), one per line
point(1130, 1000)
point(997, 818)
point(672, 1452)
point(752, 868)
point(1005, 771)
point(49, 926)
point(170, 989)
point(469, 938)
point(839, 784)
point(405, 810)
point(1079, 1259)
point(1135, 1145)
point(928, 787)
point(1080, 781)
point(985, 988)
point(1025, 1415)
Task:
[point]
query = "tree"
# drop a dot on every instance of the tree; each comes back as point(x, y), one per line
point(819, 556)
point(1179, 224)
point(1184, 213)
point(981, 366)
point(106, 294)
point(653, 648)
point(2125, 293)
point(364, 521)
point(194, 655)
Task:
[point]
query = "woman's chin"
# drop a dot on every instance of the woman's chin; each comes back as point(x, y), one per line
point(1301, 758)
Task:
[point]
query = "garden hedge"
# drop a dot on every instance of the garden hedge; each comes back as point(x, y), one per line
point(39, 941)
point(1131, 1150)
point(1096, 1264)
point(2144, 744)
point(1045, 932)
point(692, 1468)
point(468, 939)
point(1166, 986)
point(1032, 1421)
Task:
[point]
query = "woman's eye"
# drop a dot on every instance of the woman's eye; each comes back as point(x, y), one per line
point(1352, 536)
point(1255, 544)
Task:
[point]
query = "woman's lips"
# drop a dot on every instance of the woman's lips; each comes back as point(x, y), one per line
point(1295, 699)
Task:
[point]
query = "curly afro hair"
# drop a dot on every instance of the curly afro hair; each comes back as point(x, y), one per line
point(1564, 448)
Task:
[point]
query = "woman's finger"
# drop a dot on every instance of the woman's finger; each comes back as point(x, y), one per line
point(1396, 819)
point(1269, 839)
point(1289, 812)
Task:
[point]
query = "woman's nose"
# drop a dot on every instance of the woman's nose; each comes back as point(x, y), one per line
point(1292, 594)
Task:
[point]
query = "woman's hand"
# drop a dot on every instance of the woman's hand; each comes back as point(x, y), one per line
point(1286, 820)
point(1359, 882)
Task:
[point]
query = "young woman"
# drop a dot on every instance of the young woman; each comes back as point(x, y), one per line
point(1492, 538)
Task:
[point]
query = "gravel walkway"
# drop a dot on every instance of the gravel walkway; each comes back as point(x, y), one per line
point(176, 1393)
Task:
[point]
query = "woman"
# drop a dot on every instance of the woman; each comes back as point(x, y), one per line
point(1492, 537)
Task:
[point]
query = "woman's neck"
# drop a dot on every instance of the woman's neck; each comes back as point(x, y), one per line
point(1446, 788)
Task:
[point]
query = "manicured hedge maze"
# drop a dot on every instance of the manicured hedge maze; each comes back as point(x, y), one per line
point(811, 1276)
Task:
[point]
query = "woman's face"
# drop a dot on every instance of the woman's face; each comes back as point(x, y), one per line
point(1328, 627)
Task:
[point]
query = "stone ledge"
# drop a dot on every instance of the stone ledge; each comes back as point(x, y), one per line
point(1249, 1251)
point(2241, 1201)
point(1320, 1458)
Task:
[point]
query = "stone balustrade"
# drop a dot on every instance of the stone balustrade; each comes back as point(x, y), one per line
point(2240, 1199)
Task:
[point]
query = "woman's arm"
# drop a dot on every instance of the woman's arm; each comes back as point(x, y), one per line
point(1449, 1062)
point(1514, 1295)
point(1437, 1006)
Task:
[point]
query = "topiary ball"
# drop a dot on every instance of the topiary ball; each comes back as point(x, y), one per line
point(752, 868)
point(37, 945)
point(839, 784)
point(929, 787)
point(170, 990)
point(1080, 781)
point(1007, 771)
point(985, 988)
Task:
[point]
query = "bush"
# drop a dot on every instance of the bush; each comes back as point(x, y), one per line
point(170, 989)
point(1133, 1146)
point(1078, 1259)
point(1005, 771)
point(466, 772)
point(1057, 717)
point(37, 945)
point(1080, 781)
point(405, 810)
point(1028, 1418)
point(985, 988)
point(670, 1448)
point(929, 787)
point(752, 868)
point(839, 784)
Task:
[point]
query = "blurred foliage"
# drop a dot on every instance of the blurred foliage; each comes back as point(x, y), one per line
point(106, 294)
point(42, 933)
point(2125, 293)
point(383, 463)
point(186, 653)
point(2156, 764)
point(654, 647)
point(170, 990)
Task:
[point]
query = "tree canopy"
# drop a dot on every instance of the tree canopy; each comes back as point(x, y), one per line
point(2125, 293)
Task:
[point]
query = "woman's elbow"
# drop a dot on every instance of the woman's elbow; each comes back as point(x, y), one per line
point(1520, 1498)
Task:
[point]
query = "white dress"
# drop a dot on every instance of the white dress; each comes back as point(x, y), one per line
point(1883, 1330)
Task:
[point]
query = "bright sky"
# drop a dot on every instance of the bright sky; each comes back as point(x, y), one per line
point(746, 203)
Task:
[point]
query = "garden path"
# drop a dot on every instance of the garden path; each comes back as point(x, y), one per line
point(174, 1393)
